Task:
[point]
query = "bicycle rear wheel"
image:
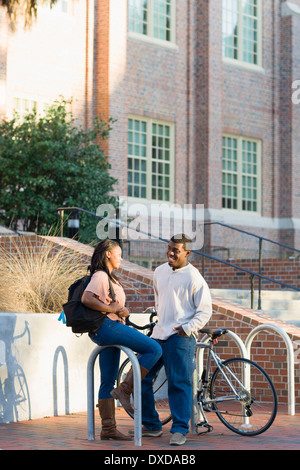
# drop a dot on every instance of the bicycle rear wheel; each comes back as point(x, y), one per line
point(254, 408)
point(160, 390)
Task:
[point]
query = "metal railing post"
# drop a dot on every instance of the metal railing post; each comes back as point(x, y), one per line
point(290, 356)
point(259, 271)
point(252, 290)
point(137, 392)
point(195, 412)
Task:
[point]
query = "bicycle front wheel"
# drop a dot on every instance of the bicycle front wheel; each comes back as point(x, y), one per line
point(244, 397)
point(160, 390)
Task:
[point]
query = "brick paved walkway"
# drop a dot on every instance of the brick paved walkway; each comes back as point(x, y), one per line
point(70, 433)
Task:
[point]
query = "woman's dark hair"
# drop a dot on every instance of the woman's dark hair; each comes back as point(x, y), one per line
point(98, 261)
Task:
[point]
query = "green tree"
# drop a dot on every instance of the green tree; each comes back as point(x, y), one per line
point(47, 162)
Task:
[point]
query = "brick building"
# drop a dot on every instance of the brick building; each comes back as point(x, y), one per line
point(205, 94)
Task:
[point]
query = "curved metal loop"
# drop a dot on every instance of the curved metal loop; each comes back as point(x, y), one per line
point(290, 356)
point(137, 392)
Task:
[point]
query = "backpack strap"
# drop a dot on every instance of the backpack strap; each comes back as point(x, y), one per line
point(112, 292)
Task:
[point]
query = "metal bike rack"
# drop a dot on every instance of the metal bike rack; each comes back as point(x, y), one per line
point(199, 368)
point(291, 362)
point(137, 392)
point(245, 350)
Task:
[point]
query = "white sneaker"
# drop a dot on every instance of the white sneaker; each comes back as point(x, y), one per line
point(177, 439)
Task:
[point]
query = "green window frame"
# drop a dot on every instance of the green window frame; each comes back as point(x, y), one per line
point(150, 159)
point(23, 106)
point(152, 18)
point(242, 31)
point(241, 174)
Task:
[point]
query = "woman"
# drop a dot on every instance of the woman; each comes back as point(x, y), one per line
point(98, 296)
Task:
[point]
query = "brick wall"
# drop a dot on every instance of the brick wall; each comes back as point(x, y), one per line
point(151, 80)
point(225, 277)
point(268, 349)
point(101, 63)
point(11, 243)
point(206, 96)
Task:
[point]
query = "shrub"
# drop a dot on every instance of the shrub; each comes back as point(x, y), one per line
point(36, 279)
point(48, 162)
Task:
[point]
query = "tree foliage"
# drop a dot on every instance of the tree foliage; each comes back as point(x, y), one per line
point(47, 162)
point(23, 8)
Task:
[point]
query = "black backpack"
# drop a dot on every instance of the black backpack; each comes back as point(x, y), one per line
point(80, 318)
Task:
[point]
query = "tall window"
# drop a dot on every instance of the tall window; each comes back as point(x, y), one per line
point(153, 18)
point(24, 106)
point(150, 159)
point(242, 30)
point(241, 174)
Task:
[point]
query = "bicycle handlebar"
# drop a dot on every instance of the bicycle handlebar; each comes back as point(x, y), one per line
point(150, 325)
point(138, 327)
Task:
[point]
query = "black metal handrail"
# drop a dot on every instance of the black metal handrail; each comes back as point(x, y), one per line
point(260, 241)
point(252, 274)
point(253, 235)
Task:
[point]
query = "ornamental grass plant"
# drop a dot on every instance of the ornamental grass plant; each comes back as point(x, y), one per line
point(35, 279)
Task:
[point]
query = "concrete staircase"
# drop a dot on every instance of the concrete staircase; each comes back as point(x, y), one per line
point(281, 304)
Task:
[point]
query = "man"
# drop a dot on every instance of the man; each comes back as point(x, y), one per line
point(183, 305)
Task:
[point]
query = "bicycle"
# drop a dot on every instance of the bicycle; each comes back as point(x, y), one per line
point(239, 391)
point(241, 386)
point(160, 383)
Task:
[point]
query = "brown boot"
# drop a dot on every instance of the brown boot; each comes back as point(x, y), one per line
point(107, 415)
point(125, 389)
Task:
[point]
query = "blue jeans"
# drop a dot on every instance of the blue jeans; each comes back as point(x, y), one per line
point(112, 332)
point(178, 357)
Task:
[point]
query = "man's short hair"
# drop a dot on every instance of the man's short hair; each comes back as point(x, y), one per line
point(184, 239)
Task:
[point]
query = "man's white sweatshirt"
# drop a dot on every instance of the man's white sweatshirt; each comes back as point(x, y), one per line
point(182, 298)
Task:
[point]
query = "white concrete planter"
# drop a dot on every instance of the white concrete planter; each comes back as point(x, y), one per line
point(43, 367)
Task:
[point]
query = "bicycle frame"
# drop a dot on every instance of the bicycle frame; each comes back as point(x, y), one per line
point(205, 382)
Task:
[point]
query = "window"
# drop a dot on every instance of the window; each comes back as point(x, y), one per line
point(241, 174)
point(61, 6)
point(153, 18)
point(242, 31)
point(24, 106)
point(150, 159)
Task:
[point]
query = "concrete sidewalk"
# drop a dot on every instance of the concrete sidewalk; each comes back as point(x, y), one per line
point(70, 433)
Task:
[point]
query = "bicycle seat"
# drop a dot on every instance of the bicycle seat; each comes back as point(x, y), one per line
point(213, 334)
